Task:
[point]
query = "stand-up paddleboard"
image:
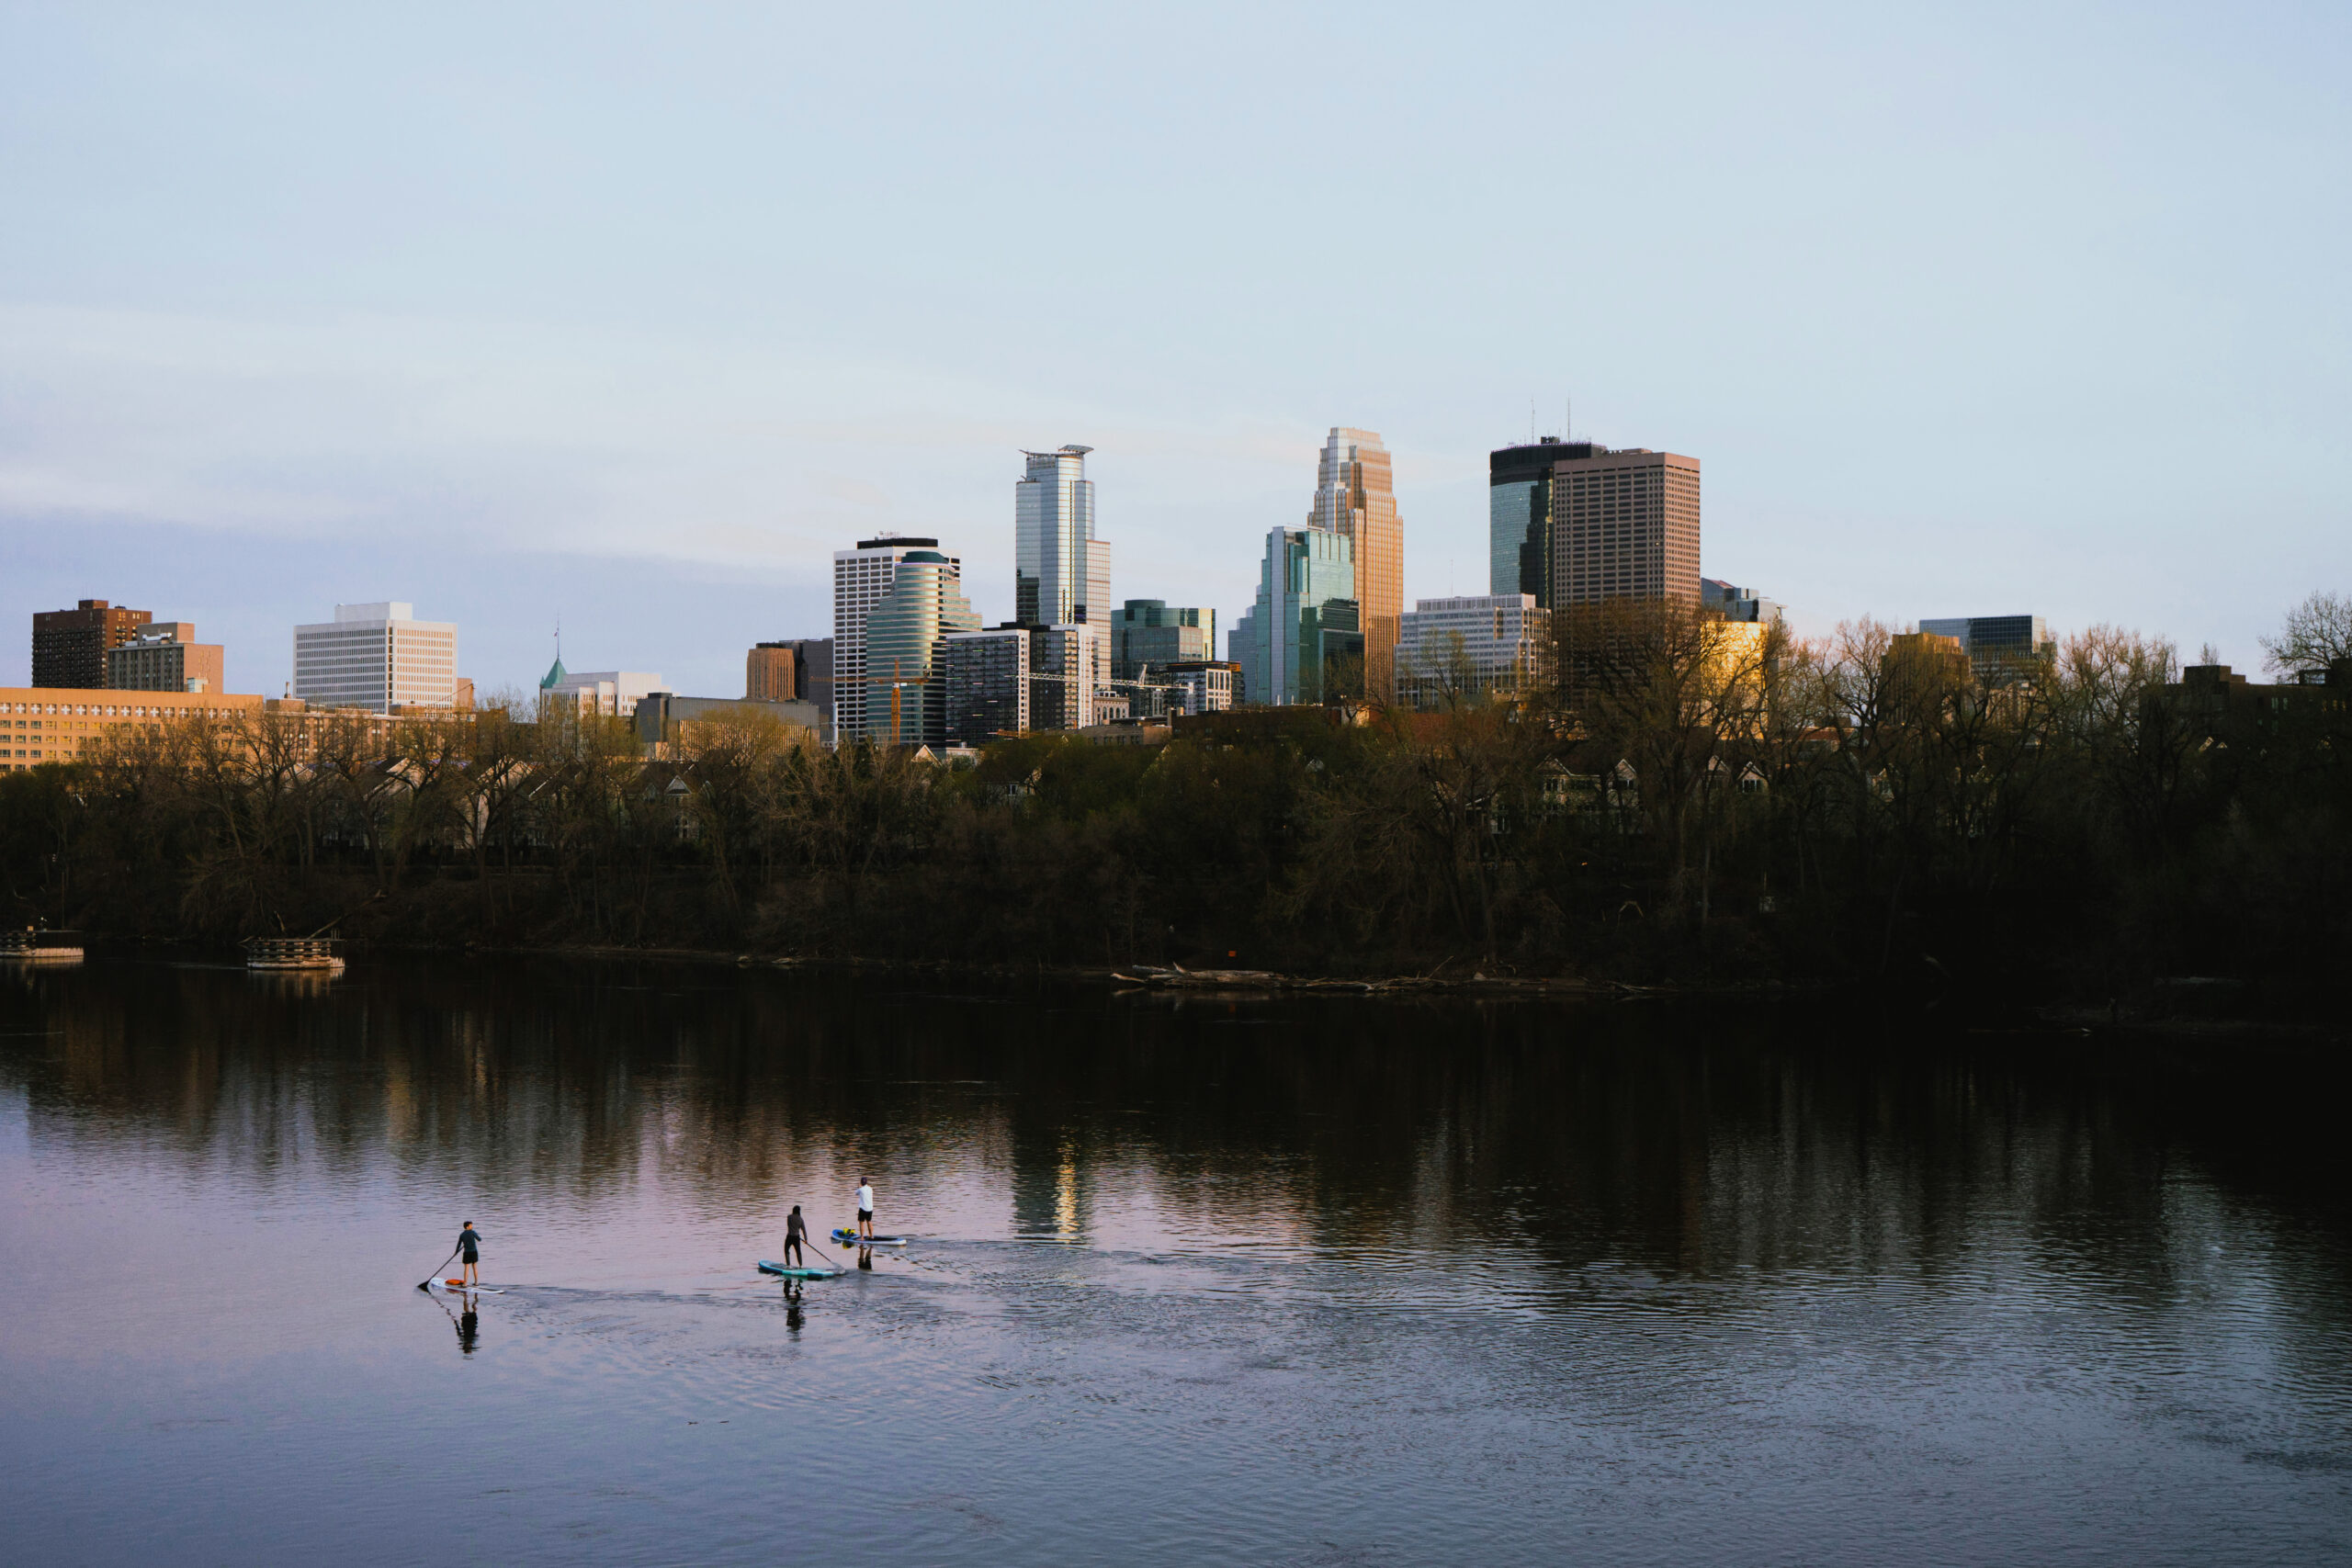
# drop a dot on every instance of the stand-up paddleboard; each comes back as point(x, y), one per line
point(850, 1238)
point(460, 1288)
point(789, 1272)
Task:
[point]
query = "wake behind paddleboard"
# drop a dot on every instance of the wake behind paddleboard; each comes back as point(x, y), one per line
point(789, 1272)
point(850, 1238)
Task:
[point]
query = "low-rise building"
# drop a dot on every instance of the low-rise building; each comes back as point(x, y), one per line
point(1474, 645)
point(51, 724)
point(1150, 633)
point(166, 657)
point(662, 718)
point(1207, 685)
point(1736, 604)
point(2002, 650)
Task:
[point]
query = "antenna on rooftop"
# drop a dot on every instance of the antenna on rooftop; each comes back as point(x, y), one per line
point(1531, 422)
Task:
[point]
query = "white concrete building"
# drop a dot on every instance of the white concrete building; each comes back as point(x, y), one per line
point(613, 692)
point(1473, 645)
point(861, 577)
point(376, 657)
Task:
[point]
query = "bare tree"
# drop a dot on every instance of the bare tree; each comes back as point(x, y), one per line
point(2317, 633)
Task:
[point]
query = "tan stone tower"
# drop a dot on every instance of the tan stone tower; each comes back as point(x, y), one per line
point(1355, 494)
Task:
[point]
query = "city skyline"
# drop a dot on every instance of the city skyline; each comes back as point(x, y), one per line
point(644, 355)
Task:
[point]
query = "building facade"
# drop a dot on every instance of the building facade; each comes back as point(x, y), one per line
point(70, 646)
point(1303, 640)
point(861, 578)
point(905, 704)
point(613, 692)
point(166, 657)
point(985, 681)
point(58, 724)
point(1476, 645)
point(1068, 667)
point(1355, 496)
point(1061, 572)
point(2001, 648)
point(1520, 515)
point(376, 657)
point(1626, 525)
point(1150, 633)
point(771, 673)
point(1207, 685)
point(1736, 603)
point(662, 718)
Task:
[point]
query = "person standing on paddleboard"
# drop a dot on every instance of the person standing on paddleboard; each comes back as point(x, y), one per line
point(864, 1206)
point(470, 1247)
point(795, 1228)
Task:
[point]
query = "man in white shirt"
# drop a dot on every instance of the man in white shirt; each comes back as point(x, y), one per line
point(864, 1206)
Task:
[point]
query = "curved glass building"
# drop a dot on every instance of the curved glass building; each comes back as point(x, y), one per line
point(905, 698)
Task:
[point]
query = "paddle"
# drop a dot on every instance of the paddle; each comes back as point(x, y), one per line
point(426, 1283)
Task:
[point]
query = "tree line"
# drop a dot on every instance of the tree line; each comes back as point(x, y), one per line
point(1692, 798)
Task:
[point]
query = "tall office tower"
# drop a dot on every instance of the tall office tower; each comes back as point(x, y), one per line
point(1355, 494)
point(1496, 642)
point(1061, 572)
point(771, 673)
point(1519, 516)
point(1150, 633)
point(1626, 525)
point(70, 646)
point(376, 657)
point(1305, 629)
point(2002, 650)
point(860, 579)
point(166, 657)
point(903, 635)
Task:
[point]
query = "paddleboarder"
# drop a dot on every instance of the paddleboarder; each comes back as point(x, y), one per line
point(864, 1206)
point(795, 1228)
point(469, 1249)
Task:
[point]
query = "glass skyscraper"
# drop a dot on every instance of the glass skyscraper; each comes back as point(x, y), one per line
point(1061, 572)
point(1305, 626)
point(905, 700)
point(1355, 496)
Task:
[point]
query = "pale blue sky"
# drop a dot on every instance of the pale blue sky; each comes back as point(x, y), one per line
point(634, 315)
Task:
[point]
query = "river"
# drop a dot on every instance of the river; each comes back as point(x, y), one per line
point(1320, 1281)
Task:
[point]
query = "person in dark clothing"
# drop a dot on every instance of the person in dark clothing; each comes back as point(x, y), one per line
point(469, 1250)
point(795, 1228)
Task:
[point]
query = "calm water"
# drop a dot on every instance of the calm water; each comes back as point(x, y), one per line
point(1329, 1284)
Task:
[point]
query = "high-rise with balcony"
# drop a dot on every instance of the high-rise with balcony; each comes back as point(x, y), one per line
point(376, 657)
point(1355, 496)
point(1624, 526)
point(861, 577)
point(1061, 572)
point(70, 646)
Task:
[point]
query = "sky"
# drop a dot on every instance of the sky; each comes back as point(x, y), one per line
point(624, 318)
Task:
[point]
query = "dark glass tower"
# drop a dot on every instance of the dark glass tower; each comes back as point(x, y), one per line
point(1520, 515)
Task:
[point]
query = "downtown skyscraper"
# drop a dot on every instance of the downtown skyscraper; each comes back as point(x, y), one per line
point(1576, 523)
point(1355, 496)
point(1061, 572)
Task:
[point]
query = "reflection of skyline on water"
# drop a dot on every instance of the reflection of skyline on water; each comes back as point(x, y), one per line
point(1585, 1137)
point(1438, 1282)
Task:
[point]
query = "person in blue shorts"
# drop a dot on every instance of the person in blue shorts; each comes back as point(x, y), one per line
point(469, 1253)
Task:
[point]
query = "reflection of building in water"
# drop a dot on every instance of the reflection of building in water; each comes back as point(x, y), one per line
point(1053, 1192)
